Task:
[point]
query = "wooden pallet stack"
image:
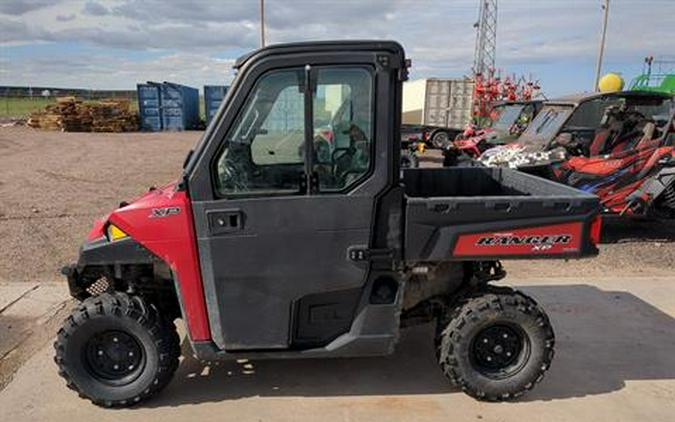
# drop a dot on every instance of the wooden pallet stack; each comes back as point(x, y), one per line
point(71, 115)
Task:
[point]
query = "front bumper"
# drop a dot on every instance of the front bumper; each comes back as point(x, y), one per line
point(76, 288)
point(100, 257)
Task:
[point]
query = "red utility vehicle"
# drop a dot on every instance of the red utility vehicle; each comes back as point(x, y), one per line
point(276, 244)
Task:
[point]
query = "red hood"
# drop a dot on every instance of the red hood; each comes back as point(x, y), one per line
point(98, 229)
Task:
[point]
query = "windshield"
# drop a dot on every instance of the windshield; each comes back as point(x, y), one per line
point(506, 116)
point(546, 125)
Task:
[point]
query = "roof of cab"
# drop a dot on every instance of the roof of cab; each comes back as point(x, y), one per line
point(316, 46)
point(519, 102)
point(576, 99)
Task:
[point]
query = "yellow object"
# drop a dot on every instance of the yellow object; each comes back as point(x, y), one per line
point(610, 82)
point(420, 147)
point(115, 233)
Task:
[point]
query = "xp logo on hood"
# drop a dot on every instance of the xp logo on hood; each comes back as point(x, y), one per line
point(164, 212)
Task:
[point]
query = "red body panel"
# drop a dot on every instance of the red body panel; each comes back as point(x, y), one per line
point(98, 229)
point(543, 240)
point(469, 144)
point(633, 167)
point(161, 221)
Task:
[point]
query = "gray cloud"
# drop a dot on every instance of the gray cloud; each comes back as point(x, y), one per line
point(437, 34)
point(12, 30)
point(19, 7)
point(159, 11)
point(66, 18)
point(181, 37)
point(94, 9)
point(190, 69)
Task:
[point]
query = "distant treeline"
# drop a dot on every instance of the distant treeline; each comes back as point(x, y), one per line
point(48, 91)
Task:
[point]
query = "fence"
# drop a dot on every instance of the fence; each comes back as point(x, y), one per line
point(20, 101)
point(22, 106)
point(18, 106)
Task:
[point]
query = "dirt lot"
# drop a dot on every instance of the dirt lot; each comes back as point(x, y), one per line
point(54, 184)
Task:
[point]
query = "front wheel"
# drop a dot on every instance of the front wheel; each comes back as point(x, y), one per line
point(409, 160)
point(496, 345)
point(116, 350)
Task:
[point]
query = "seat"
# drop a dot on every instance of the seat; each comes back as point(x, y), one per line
point(597, 146)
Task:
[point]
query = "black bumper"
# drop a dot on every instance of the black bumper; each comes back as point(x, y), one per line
point(75, 286)
point(101, 257)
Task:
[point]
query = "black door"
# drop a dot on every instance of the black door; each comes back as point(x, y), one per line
point(294, 181)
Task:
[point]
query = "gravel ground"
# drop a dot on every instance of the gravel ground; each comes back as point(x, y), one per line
point(53, 185)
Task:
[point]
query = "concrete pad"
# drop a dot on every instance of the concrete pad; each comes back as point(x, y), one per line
point(32, 305)
point(11, 292)
point(614, 362)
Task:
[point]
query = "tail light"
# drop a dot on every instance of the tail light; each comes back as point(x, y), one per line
point(596, 228)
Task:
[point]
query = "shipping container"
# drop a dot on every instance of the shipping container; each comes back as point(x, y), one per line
point(167, 106)
point(287, 114)
point(213, 96)
point(443, 102)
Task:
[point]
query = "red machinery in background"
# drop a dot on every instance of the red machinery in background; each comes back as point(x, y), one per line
point(490, 89)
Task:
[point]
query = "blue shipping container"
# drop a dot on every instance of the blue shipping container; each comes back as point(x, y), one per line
point(213, 96)
point(167, 106)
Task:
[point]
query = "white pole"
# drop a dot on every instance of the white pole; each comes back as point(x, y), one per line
point(262, 23)
point(601, 48)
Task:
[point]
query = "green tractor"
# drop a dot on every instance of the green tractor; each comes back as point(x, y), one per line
point(658, 76)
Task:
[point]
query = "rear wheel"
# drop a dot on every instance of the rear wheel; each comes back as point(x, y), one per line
point(116, 350)
point(495, 345)
point(440, 139)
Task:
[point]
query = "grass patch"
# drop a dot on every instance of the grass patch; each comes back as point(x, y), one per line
point(22, 106)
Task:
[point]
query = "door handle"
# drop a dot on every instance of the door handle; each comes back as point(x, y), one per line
point(225, 221)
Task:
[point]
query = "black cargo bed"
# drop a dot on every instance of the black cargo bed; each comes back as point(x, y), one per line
point(494, 213)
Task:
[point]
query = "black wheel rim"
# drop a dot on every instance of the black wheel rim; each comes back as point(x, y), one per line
point(114, 357)
point(500, 350)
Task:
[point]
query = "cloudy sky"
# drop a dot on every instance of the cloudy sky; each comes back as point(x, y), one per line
point(113, 44)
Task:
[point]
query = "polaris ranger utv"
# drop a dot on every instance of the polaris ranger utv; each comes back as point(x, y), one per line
point(276, 244)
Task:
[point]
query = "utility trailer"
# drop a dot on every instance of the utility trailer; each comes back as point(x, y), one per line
point(437, 108)
point(275, 243)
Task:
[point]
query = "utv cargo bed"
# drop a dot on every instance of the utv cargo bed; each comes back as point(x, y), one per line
point(495, 213)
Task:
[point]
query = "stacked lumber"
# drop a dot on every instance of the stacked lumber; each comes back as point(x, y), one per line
point(71, 115)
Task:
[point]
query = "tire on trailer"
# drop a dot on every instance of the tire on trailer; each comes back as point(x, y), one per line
point(409, 160)
point(116, 350)
point(495, 345)
point(440, 139)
